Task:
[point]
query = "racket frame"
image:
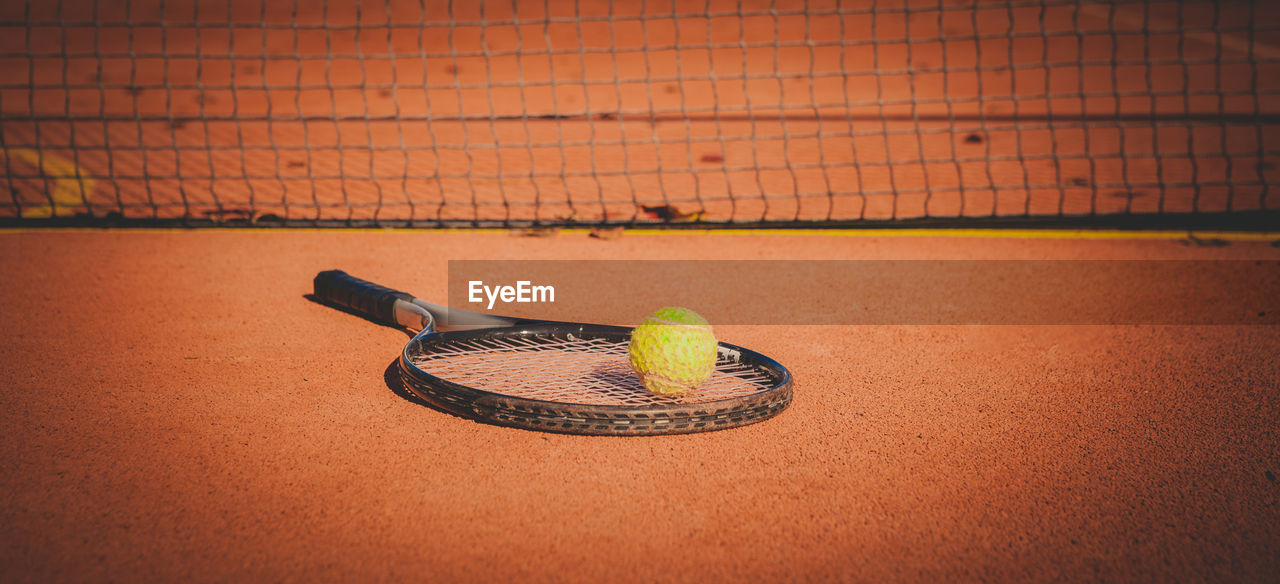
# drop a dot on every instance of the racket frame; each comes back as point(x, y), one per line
point(535, 414)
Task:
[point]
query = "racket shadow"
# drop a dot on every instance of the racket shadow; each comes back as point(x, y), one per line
point(391, 375)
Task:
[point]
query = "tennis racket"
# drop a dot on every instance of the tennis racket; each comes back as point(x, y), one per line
point(554, 376)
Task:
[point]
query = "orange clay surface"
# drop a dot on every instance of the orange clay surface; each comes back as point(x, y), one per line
point(174, 409)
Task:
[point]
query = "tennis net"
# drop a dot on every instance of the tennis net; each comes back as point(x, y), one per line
point(518, 112)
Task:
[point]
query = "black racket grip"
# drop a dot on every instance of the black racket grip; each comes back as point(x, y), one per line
point(364, 298)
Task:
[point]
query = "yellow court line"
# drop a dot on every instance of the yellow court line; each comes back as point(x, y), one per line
point(906, 232)
point(975, 233)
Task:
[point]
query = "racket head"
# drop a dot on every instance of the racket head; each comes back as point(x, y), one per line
point(576, 379)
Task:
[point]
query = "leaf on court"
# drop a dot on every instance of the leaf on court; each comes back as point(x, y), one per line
point(70, 189)
point(1204, 241)
point(606, 233)
point(974, 138)
point(672, 213)
point(230, 215)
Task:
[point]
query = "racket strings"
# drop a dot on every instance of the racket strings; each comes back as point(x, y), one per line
point(586, 371)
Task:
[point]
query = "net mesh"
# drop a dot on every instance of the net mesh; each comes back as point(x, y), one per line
point(580, 371)
point(520, 112)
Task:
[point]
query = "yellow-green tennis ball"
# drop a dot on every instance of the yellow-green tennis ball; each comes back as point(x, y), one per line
point(673, 351)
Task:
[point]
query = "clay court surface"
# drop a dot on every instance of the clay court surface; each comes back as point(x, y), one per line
point(175, 409)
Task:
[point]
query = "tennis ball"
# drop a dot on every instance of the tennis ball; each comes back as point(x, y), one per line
point(673, 351)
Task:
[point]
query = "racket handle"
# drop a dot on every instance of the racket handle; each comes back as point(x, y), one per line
point(364, 298)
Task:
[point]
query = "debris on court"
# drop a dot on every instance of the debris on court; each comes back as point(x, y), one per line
point(606, 233)
point(535, 231)
point(672, 213)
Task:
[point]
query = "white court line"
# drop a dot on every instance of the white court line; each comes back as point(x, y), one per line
point(1229, 41)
